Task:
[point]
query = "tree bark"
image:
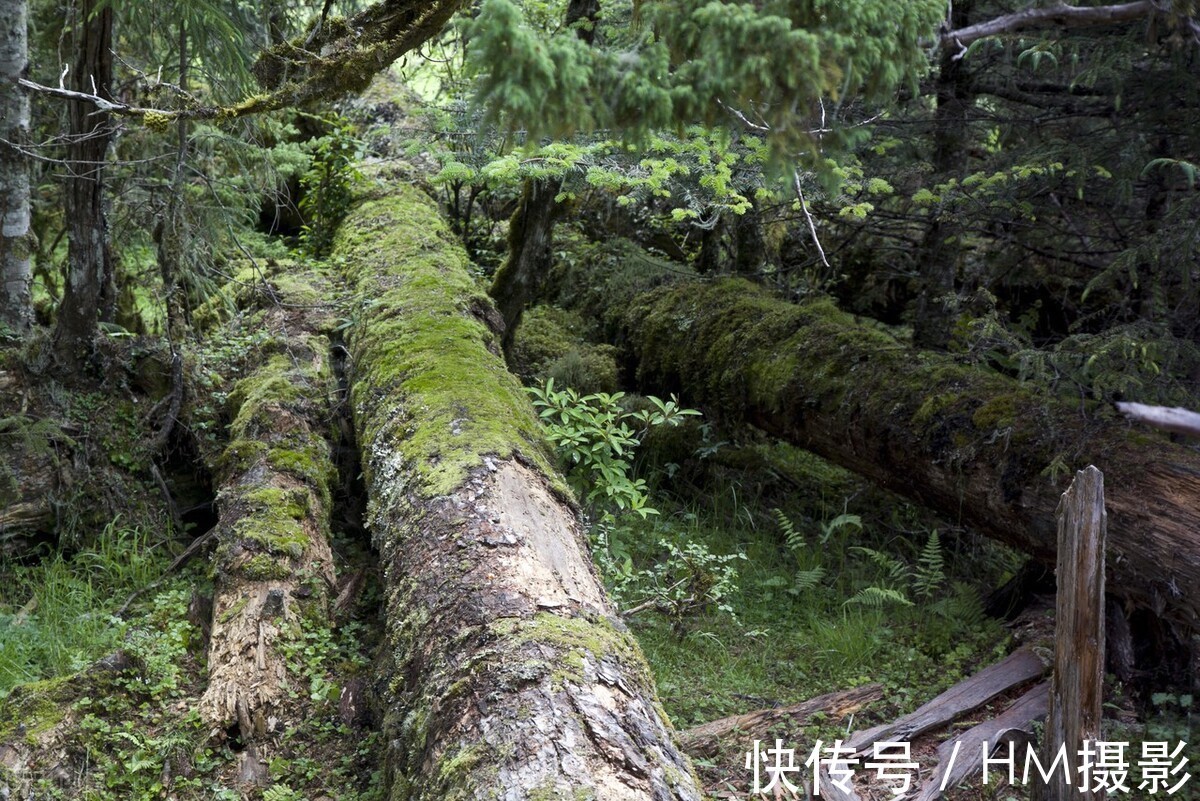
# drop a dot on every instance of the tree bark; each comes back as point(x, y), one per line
point(531, 229)
point(981, 448)
point(505, 672)
point(16, 306)
point(89, 296)
point(1057, 15)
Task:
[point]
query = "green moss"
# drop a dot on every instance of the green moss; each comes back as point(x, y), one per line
point(292, 502)
point(453, 769)
point(36, 707)
point(551, 792)
point(587, 368)
point(157, 121)
point(575, 639)
point(933, 406)
point(545, 333)
point(262, 567)
point(429, 386)
point(995, 413)
point(236, 609)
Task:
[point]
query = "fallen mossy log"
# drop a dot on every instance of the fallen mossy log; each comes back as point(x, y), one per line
point(505, 672)
point(979, 447)
point(273, 564)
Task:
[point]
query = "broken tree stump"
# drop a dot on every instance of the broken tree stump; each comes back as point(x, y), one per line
point(1076, 689)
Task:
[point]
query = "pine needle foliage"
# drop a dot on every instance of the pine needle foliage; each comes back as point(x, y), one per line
point(772, 68)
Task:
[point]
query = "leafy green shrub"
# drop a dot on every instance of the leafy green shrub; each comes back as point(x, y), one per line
point(596, 437)
point(329, 185)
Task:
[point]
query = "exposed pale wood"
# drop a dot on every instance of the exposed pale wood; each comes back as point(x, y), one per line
point(1019, 667)
point(705, 739)
point(831, 790)
point(1077, 686)
point(1017, 719)
point(1168, 418)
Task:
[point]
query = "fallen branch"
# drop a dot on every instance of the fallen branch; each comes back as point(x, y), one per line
point(704, 740)
point(1174, 419)
point(1059, 15)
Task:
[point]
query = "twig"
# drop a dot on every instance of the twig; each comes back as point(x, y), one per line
point(812, 226)
point(194, 548)
point(176, 519)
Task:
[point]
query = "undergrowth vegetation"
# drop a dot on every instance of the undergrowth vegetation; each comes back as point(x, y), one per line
point(117, 686)
point(740, 605)
point(57, 615)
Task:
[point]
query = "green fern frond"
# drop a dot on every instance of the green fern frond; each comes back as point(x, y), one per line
point(962, 606)
point(930, 573)
point(793, 538)
point(893, 569)
point(878, 598)
point(807, 579)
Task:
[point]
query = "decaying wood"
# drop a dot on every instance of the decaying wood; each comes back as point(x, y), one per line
point(705, 740)
point(1174, 419)
point(962, 757)
point(273, 561)
point(505, 672)
point(1077, 686)
point(1019, 667)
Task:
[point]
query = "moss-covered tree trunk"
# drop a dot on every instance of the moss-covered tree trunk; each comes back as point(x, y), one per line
point(505, 672)
point(981, 448)
point(528, 259)
point(273, 565)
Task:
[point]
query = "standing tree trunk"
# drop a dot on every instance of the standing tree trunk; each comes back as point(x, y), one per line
point(505, 671)
point(89, 296)
point(16, 308)
point(531, 229)
point(941, 250)
point(529, 237)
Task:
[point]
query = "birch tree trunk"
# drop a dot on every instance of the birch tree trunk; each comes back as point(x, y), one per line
point(505, 671)
point(16, 309)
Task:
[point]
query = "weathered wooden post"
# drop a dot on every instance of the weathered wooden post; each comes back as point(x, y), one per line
point(1077, 686)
